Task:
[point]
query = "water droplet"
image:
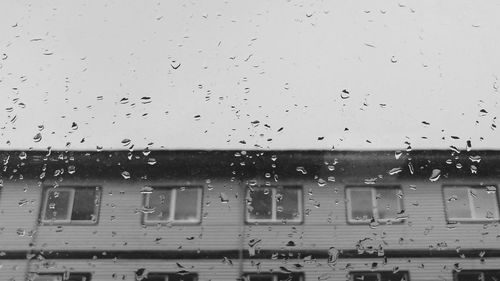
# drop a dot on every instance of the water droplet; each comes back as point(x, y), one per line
point(491, 189)
point(397, 154)
point(98, 148)
point(435, 175)
point(126, 142)
point(476, 158)
point(175, 65)
point(23, 155)
point(473, 169)
point(126, 175)
point(151, 161)
point(71, 169)
point(223, 197)
point(74, 126)
point(344, 94)
point(146, 100)
point(146, 190)
point(393, 59)
point(321, 182)
point(395, 171)
point(37, 137)
point(301, 169)
point(124, 100)
point(469, 145)
point(197, 117)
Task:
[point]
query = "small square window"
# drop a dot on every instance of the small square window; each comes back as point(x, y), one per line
point(295, 276)
point(71, 205)
point(173, 204)
point(171, 277)
point(471, 203)
point(381, 203)
point(477, 275)
point(274, 204)
point(61, 277)
point(379, 276)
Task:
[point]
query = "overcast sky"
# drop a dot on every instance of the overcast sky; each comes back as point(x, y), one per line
point(249, 74)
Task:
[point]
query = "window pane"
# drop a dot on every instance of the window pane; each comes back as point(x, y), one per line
point(365, 276)
point(182, 277)
point(84, 204)
point(485, 204)
point(186, 204)
point(48, 278)
point(361, 204)
point(287, 203)
point(391, 276)
point(457, 202)
point(260, 206)
point(387, 203)
point(159, 200)
point(470, 276)
point(78, 277)
point(57, 207)
point(261, 277)
point(290, 277)
point(155, 277)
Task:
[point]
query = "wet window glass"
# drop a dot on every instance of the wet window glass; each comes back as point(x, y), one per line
point(296, 276)
point(274, 204)
point(173, 204)
point(380, 203)
point(470, 203)
point(71, 204)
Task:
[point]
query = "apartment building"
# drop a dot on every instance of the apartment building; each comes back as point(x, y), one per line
point(256, 215)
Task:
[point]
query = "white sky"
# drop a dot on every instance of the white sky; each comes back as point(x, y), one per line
point(283, 63)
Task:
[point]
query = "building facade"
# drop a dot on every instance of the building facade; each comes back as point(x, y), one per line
point(256, 215)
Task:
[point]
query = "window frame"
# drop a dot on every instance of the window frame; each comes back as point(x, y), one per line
point(379, 274)
point(172, 205)
point(375, 212)
point(273, 219)
point(471, 204)
point(72, 188)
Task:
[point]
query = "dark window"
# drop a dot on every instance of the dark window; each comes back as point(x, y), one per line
point(379, 276)
point(471, 203)
point(173, 204)
point(274, 204)
point(71, 204)
point(380, 203)
point(171, 277)
point(295, 276)
point(478, 275)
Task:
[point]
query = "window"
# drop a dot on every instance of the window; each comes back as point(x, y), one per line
point(274, 204)
point(480, 275)
point(379, 276)
point(274, 276)
point(171, 277)
point(71, 205)
point(61, 277)
point(381, 203)
point(471, 203)
point(173, 204)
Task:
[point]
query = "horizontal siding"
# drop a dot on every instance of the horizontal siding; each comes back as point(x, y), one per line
point(11, 270)
point(18, 213)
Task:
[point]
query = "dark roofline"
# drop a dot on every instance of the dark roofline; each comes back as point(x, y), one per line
point(250, 163)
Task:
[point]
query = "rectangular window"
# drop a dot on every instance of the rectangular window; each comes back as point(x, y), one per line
point(481, 275)
point(295, 276)
point(379, 276)
point(61, 277)
point(382, 203)
point(173, 204)
point(71, 205)
point(171, 277)
point(274, 204)
point(471, 203)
